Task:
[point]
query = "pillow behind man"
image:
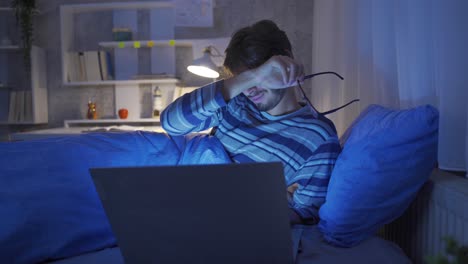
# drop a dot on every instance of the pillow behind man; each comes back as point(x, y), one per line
point(387, 157)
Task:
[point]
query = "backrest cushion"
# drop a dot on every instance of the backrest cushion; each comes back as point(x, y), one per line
point(387, 156)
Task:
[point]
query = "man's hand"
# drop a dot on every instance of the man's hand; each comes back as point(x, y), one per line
point(292, 188)
point(294, 218)
point(278, 72)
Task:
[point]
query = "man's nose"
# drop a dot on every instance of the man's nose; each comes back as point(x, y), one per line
point(251, 90)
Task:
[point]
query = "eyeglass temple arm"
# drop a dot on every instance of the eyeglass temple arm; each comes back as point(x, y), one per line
point(320, 73)
point(308, 101)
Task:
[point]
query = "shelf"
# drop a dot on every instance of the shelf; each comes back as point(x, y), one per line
point(124, 82)
point(21, 123)
point(10, 47)
point(146, 43)
point(68, 123)
point(76, 8)
point(11, 9)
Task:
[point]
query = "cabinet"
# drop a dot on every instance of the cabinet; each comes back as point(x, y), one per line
point(141, 61)
point(23, 93)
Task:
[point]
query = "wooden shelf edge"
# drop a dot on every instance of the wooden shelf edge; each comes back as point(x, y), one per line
point(86, 7)
point(110, 120)
point(5, 123)
point(146, 43)
point(69, 123)
point(107, 83)
point(10, 47)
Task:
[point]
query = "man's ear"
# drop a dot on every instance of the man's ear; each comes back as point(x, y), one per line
point(289, 53)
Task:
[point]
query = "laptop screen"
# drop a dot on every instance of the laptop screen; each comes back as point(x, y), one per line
point(231, 213)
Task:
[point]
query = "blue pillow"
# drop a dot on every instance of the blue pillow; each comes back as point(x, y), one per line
point(387, 157)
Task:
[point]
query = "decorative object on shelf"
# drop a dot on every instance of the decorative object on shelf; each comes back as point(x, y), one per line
point(92, 113)
point(121, 34)
point(150, 44)
point(157, 102)
point(205, 66)
point(123, 113)
point(25, 10)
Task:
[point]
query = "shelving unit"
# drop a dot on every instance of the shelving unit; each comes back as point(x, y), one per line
point(125, 61)
point(162, 19)
point(15, 78)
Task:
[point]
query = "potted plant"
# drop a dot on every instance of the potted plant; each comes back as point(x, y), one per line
point(454, 253)
point(25, 10)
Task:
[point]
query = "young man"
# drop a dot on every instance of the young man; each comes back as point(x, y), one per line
point(258, 118)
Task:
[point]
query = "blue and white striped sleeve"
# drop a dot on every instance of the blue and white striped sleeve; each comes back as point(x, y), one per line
point(195, 111)
point(313, 178)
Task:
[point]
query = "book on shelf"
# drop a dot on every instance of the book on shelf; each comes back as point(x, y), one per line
point(20, 106)
point(28, 111)
point(12, 107)
point(19, 109)
point(105, 65)
point(93, 72)
point(89, 66)
point(76, 67)
point(4, 104)
point(82, 67)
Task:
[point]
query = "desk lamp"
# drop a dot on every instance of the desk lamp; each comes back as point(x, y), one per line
point(204, 66)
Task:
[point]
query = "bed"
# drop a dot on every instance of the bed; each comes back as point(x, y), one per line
point(51, 212)
point(313, 250)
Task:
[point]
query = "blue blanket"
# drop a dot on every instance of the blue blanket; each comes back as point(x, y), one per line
point(48, 205)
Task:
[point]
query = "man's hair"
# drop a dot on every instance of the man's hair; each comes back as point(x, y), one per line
point(253, 45)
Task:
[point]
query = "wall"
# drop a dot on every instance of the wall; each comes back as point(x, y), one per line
point(295, 17)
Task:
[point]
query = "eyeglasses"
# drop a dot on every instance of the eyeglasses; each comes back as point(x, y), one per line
point(307, 99)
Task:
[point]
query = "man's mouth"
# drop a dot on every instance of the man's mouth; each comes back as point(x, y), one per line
point(257, 97)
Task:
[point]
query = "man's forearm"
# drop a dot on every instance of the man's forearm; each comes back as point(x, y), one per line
point(235, 85)
point(195, 111)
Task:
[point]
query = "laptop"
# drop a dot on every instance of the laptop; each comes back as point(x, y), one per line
point(230, 213)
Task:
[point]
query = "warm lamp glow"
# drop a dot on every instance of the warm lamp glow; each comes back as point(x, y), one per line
point(204, 66)
point(203, 71)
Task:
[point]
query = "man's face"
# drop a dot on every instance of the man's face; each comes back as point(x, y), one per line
point(265, 99)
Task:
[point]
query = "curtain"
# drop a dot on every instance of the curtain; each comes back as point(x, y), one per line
point(399, 54)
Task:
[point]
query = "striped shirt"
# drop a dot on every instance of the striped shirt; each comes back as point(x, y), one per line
point(307, 146)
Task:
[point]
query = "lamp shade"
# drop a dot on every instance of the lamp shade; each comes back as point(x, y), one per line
point(204, 66)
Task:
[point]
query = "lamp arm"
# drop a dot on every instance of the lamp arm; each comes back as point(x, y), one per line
point(218, 54)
